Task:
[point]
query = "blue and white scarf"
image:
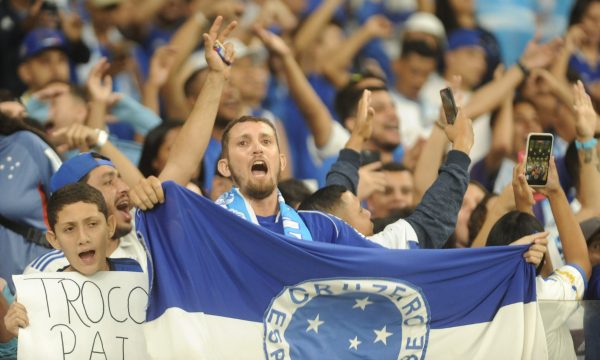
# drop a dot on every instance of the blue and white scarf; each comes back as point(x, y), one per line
point(293, 225)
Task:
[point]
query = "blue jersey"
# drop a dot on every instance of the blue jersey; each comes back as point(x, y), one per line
point(26, 165)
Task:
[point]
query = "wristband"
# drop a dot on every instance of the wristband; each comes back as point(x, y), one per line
point(590, 144)
point(102, 139)
point(523, 68)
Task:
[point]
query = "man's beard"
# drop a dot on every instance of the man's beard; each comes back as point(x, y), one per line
point(385, 146)
point(255, 191)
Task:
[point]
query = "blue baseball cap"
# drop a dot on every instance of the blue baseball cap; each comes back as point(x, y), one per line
point(464, 38)
point(76, 168)
point(39, 40)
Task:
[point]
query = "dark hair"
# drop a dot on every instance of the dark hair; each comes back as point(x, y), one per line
point(579, 9)
point(326, 199)
point(6, 95)
point(478, 218)
point(418, 47)
point(152, 143)
point(243, 119)
point(380, 223)
point(294, 191)
point(445, 12)
point(73, 193)
point(346, 99)
point(513, 226)
point(188, 85)
point(10, 125)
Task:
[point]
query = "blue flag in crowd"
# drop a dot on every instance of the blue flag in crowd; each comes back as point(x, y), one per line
point(224, 288)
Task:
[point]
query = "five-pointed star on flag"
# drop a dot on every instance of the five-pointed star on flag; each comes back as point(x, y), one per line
point(362, 303)
point(314, 324)
point(382, 335)
point(354, 343)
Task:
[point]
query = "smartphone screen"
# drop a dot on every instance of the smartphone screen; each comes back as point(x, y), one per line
point(449, 105)
point(539, 150)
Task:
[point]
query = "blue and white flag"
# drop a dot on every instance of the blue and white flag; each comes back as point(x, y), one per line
point(224, 288)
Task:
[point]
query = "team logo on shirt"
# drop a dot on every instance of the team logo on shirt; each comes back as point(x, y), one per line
point(347, 318)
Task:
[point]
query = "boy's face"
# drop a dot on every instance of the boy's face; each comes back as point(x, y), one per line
point(82, 233)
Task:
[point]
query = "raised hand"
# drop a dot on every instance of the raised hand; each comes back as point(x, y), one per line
point(370, 180)
point(460, 134)
point(552, 183)
point(75, 136)
point(538, 55)
point(274, 43)
point(161, 64)
point(523, 193)
point(99, 83)
point(211, 40)
point(586, 119)
point(364, 117)
point(379, 26)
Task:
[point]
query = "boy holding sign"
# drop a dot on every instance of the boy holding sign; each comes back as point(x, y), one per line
point(81, 227)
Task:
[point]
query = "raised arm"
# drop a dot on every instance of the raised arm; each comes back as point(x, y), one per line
point(161, 64)
point(318, 119)
point(489, 96)
point(589, 164)
point(571, 237)
point(434, 219)
point(185, 40)
point(502, 132)
point(315, 23)
point(336, 67)
point(84, 138)
point(192, 140)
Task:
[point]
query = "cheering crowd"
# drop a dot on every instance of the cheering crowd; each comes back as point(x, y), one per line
point(319, 120)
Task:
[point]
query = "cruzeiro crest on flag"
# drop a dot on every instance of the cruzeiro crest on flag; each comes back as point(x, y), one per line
point(347, 318)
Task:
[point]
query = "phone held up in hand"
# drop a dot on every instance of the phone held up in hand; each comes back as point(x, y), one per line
point(448, 105)
point(537, 165)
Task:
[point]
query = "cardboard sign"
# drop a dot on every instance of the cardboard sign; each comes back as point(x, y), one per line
point(72, 316)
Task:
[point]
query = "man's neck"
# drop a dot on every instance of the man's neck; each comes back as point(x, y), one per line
point(268, 206)
point(113, 244)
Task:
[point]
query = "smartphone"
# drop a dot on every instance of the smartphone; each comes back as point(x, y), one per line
point(368, 157)
point(449, 105)
point(539, 150)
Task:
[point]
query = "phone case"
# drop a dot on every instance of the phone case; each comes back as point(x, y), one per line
point(537, 158)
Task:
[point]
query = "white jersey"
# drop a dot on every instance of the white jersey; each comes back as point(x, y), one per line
point(557, 298)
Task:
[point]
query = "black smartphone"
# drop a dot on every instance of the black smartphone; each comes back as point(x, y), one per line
point(368, 157)
point(539, 150)
point(449, 105)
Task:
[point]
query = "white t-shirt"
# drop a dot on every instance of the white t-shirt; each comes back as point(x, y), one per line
point(558, 297)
